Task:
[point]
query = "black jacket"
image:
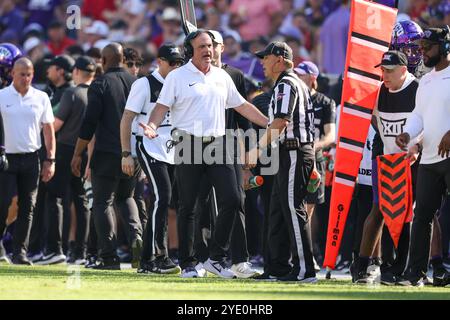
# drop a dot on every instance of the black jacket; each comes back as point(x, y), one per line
point(107, 97)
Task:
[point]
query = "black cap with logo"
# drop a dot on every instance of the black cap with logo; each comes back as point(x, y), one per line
point(170, 52)
point(63, 61)
point(278, 49)
point(85, 63)
point(392, 59)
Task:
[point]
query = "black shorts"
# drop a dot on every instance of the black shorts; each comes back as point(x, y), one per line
point(318, 197)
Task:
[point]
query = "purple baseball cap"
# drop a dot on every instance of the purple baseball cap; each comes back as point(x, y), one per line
point(307, 67)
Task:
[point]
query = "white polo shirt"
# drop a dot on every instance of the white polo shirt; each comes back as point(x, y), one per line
point(23, 118)
point(197, 101)
point(139, 102)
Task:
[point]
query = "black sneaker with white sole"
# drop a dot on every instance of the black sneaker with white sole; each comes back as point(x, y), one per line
point(91, 261)
point(441, 278)
point(107, 264)
point(147, 268)
point(265, 277)
point(388, 279)
point(165, 265)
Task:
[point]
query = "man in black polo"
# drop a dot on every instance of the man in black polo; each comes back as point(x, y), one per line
point(107, 98)
point(45, 223)
point(68, 119)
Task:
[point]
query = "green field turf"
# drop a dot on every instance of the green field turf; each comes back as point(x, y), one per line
point(61, 282)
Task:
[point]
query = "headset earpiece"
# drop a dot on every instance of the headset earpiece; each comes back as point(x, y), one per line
point(188, 48)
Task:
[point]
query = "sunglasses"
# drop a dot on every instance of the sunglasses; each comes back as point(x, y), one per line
point(131, 64)
point(173, 63)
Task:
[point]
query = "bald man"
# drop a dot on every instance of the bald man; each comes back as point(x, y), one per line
point(107, 97)
point(25, 110)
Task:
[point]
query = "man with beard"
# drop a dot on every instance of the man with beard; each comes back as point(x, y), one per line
point(430, 117)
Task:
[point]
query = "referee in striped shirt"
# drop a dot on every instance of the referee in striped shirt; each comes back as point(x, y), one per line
point(291, 118)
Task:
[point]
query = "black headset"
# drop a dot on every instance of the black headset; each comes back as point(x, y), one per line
point(188, 48)
point(444, 44)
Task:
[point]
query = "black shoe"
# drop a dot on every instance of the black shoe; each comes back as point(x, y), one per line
point(388, 279)
point(107, 264)
point(363, 277)
point(136, 250)
point(291, 276)
point(441, 278)
point(146, 268)
point(354, 270)
point(19, 259)
point(91, 261)
point(165, 265)
point(265, 277)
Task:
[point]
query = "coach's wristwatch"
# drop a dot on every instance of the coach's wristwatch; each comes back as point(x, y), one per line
point(126, 154)
point(51, 160)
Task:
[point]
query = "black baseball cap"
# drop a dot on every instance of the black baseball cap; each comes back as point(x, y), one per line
point(392, 59)
point(436, 35)
point(85, 63)
point(278, 49)
point(63, 61)
point(170, 52)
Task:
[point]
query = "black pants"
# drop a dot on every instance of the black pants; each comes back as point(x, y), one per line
point(363, 207)
point(65, 185)
point(106, 190)
point(288, 207)
point(159, 175)
point(25, 170)
point(223, 179)
point(207, 209)
point(432, 184)
point(140, 201)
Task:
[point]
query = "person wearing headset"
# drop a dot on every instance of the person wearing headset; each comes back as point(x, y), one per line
point(430, 118)
point(197, 95)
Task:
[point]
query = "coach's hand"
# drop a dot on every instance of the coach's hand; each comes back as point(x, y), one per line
point(444, 146)
point(48, 171)
point(128, 165)
point(149, 130)
point(402, 141)
point(76, 165)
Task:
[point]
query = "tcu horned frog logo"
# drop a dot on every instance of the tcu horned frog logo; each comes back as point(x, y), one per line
point(392, 128)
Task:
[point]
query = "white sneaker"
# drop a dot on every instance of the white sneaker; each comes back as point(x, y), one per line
point(5, 259)
point(308, 280)
point(201, 270)
point(219, 270)
point(244, 270)
point(52, 258)
point(36, 257)
point(189, 272)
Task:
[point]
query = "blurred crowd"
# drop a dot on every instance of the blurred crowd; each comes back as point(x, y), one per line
point(316, 30)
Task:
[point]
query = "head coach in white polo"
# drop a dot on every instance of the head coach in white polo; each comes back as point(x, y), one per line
point(197, 95)
point(25, 111)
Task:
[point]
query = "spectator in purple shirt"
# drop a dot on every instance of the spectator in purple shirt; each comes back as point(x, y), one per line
point(11, 18)
point(333, 39)
point(244, 61)
point(44, 11)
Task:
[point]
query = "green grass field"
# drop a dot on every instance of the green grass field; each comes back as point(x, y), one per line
point(63, 282)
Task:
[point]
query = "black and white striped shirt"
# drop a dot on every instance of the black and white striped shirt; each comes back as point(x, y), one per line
point(291, 101)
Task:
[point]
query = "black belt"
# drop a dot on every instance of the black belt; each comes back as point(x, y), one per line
point(22, 153)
